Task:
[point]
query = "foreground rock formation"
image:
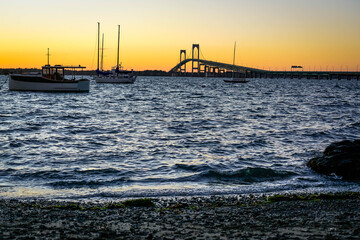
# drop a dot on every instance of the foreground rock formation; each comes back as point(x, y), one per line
point(341, 158)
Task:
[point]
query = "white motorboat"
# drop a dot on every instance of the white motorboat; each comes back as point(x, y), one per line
point(51, 79)
point(117, 75)
point(234, 79)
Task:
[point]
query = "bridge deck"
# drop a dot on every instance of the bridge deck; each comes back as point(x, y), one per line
point(253, 72)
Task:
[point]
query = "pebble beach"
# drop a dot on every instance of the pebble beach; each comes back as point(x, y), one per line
point(216, 217)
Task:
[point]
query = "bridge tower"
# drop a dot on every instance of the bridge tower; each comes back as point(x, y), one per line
point(183, 67)
point(195, 66)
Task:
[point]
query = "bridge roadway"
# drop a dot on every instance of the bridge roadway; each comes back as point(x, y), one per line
point(260, 73)
point(216, 64)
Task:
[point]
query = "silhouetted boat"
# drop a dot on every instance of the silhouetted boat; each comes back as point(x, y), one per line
point(51, 79)
point(234, 79)
point(117, 75)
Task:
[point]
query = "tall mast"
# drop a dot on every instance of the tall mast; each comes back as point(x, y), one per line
point(102, 53)
point(118, 49)
point(98, 46)
point(234, 54)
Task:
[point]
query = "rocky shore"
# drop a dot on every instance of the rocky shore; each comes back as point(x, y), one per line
point(324, 216)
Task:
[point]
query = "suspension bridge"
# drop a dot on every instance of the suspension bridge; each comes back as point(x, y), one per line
point(206, 68)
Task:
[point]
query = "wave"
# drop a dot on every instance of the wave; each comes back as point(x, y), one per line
point(247, 175)
point(192, 168)
point(209, 172)
point(48, 175)
point(7, 172)
point(355, 125)
point(87, 183)
point(242, 176)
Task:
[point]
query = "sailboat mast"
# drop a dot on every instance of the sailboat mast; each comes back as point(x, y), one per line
point(118, 49)
point(98, 46)
point(234, 54)
point(102, 53)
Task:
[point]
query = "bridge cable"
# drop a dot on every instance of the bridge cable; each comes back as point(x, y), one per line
point(202, 55)
point(189, 56)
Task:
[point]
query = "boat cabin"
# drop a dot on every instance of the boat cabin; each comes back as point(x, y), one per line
point(57, 72)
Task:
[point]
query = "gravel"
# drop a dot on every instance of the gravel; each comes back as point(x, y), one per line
point(219, 217)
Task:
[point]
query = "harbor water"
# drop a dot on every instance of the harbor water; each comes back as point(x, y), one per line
point(169, 136)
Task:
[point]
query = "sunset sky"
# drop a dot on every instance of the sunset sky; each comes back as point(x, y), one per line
point(270, 34)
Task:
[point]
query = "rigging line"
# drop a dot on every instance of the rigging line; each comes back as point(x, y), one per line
point(94, 53)
point(239, 57)
point(5, 82)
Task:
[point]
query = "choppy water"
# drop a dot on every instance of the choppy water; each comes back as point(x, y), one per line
point(174, 137)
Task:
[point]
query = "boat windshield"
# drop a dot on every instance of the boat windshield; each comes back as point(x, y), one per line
point(52, 70)
point(57, 72)
point(46, 71)
point(54, 73)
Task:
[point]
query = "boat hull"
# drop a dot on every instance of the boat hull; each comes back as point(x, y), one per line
point(116, 79)
point(41, 84)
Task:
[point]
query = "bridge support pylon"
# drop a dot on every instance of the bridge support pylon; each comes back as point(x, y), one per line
point(182, 58)
point(195, 66)
point(202, 69)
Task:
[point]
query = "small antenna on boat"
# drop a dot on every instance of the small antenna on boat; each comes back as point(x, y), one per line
point(48, 57)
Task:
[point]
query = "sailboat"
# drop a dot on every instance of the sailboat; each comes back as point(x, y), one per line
point(234, 79)
point(117, 75)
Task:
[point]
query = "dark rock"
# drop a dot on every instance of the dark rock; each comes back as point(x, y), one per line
point(342, 158)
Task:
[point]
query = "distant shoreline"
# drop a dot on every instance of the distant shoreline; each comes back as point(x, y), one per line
point(271, 74)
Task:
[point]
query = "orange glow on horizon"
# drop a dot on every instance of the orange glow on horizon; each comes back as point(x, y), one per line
point(321, 35)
